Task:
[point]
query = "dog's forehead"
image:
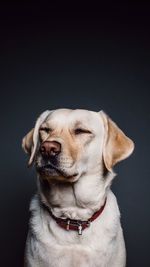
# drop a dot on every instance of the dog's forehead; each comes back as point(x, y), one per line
point(70, 117)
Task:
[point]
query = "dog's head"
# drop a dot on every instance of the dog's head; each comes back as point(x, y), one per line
point(66, 144)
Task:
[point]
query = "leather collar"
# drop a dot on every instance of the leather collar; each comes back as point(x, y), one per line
point(76, 225)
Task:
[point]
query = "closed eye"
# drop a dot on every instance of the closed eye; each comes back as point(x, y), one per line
point(45, 129)
point(82, 131)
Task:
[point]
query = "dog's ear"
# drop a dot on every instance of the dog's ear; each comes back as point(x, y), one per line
point(31, 141)
point(27, 142)
point(117, 146)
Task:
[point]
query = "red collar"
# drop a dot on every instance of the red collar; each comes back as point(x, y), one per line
point(77, 225)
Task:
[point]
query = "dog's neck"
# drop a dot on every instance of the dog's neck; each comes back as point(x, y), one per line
point(77, 200)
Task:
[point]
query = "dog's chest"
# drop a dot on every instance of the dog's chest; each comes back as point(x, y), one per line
point(76, 255)
point(57, 247)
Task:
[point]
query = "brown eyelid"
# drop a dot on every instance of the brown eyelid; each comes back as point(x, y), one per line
point(45, 129)
point(82, 131)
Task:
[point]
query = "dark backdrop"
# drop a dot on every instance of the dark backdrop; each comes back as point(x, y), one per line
point(92, 60)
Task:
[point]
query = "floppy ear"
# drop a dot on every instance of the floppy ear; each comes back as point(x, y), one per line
point(31, 141)
point(117, 146)
point(27, 142)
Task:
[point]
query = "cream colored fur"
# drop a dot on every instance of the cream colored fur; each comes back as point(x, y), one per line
point(92, 155)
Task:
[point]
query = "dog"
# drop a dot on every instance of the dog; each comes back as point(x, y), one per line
point(75, 219)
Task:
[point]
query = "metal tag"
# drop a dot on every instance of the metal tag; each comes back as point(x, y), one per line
point(80, 229)
point(68, 224)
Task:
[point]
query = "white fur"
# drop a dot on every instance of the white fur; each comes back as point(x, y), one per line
point(101, 244)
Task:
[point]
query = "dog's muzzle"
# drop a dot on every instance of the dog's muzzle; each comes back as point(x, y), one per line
point(51, 166)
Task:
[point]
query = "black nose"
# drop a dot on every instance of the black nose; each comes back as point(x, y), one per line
point(50, 148)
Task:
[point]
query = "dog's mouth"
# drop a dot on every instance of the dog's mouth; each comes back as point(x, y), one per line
point(51, 170)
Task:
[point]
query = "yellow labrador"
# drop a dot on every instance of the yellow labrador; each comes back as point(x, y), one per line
point(75, 217)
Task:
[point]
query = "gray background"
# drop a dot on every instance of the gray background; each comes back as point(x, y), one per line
point(52, 59)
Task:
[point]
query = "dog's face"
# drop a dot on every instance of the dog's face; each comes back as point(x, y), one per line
point(67, 144)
